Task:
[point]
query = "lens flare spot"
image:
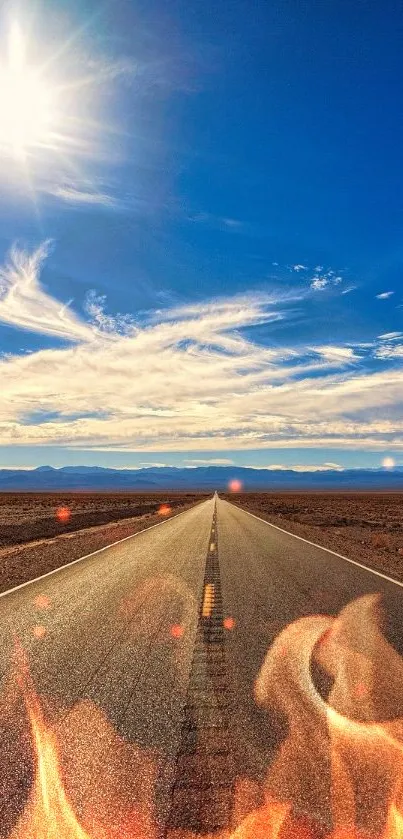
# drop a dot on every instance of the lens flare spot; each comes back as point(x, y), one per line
point(177, 630)
point(388, 462)
point(63, 514)
point(42, 602)
point(235, 485)
point(229, 623)
point(39, 631)
point(164, 510)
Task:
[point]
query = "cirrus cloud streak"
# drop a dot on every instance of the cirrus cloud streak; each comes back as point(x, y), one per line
point(189, 378)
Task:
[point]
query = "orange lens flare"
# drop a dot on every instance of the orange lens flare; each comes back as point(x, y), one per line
point(165, 510)
point(42, 602)
point(63, 514)
point(235, 485)
point(177, 630)
point(39, 631)
point(229, 623)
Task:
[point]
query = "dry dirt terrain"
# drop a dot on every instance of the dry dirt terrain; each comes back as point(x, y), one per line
point(42, 531)
point(367, 527)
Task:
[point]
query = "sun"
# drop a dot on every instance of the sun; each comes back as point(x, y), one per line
point(27, 102)
point(50, 103)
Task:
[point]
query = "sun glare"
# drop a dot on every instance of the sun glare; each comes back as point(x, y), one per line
point(26, 101)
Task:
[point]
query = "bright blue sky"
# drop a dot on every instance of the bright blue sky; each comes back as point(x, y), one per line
point(201, 233)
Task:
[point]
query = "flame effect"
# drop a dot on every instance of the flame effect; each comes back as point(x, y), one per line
point(337, 775)
point(51, 817)
point(110, 811)
point(48, 814)
point(342, 761)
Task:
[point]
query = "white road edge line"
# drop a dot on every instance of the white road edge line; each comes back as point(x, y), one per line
point(328, 550)
point(87, 556)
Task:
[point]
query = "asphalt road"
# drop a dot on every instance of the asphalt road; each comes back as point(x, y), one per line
point(123, 631)
point(271, 579)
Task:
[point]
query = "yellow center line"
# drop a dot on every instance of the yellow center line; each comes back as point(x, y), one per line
point(208, 600)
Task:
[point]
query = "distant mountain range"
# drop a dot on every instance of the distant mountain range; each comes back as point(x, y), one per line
point(165, 478)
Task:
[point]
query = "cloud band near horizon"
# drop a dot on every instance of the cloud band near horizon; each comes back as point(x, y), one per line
point(187, 378)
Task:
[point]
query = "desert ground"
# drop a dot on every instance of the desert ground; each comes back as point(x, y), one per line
point(42, 531)
point(367, 526)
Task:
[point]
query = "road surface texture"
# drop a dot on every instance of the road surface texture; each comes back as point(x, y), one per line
point(163, 637)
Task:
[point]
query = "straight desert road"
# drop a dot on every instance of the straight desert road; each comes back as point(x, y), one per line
point(164, 635)
point(270, 579)
point(103, 630)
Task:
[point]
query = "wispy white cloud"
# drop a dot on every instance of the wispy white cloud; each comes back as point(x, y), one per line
point(384, 295)
point(322, 279)
point(232, 223)
point(304, 467)
point(319, 283)
point(389, 351)
point(336, 353)
point(100, 70)
point(107, 324)
point(209, 461)
point(389, 346)
point(16, 467)
point(219, 222)
point(23, 302)
point(84, 196)
point(149, 464)
point(186, 377)
point(390, 336)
